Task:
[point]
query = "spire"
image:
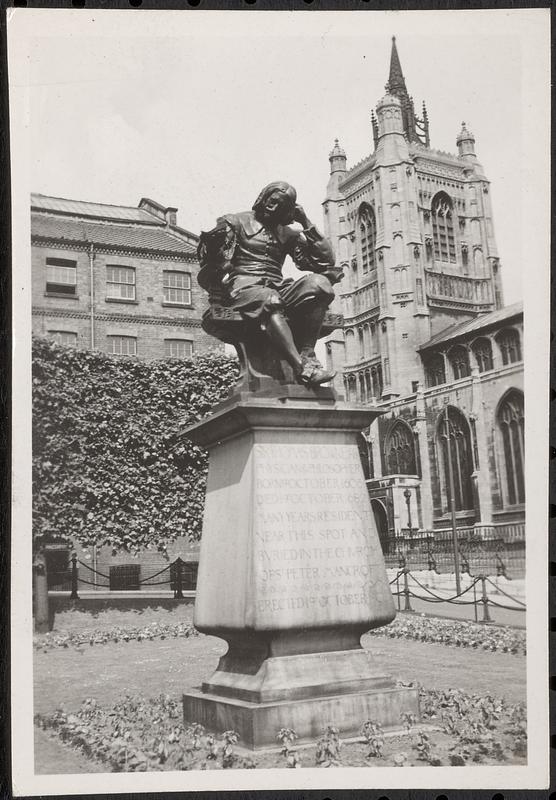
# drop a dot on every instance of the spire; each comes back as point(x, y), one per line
point(396, 81)
point(416, 130)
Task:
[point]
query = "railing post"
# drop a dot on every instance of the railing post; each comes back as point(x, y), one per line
point(486, 612)
point(74, 595)
point(178, 593)
point(398, 591)
point(407, 605)
point(475, 602)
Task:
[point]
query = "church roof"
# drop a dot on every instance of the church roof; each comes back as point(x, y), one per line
point(492, 319)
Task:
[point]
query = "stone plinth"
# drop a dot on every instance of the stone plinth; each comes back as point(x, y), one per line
point(291, 572)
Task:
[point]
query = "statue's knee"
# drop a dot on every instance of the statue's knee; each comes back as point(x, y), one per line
point(323, 287)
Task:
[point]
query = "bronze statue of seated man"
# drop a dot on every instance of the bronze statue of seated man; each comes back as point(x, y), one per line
point(241, 267)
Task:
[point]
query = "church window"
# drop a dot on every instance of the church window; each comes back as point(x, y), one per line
point(350, 341)
point(361, 343)
point(343, 250)
point(367, 234)
point(510, 346)
point(376, 376)
point(459, 360)
point(457, 461)
point(398, 250)
point(511, 421)
point(475, 231)
point(443, 228)
point(435, 370)
point(482, 350)
point(396, 220)
point(400, 450)
point(478, 260)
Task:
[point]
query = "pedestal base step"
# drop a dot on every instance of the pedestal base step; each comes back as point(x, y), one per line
point(257, 724)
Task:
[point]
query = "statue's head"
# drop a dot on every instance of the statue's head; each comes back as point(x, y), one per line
point(276, 203)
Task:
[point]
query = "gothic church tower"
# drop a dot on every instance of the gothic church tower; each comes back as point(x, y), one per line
point(412, 228)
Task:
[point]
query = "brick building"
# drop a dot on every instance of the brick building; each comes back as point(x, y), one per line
point(116, 278)
point(426, 333)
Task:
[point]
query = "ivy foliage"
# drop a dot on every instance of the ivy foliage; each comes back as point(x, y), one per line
point(107, 468)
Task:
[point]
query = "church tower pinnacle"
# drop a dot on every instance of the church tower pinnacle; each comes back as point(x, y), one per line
point(416, 130)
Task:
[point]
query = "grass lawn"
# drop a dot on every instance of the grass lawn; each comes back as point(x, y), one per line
point(107, 671)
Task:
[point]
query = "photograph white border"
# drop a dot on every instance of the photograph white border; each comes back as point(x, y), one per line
point(532, 27)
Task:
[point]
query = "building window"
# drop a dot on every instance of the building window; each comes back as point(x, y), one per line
point(457, 459)
point(122, 345)
point(178, 348)
point(367, 233)
point(459, 360)
point(435, 370)
point(120, 283)
point(443, 228)
point(177, 287)
point(66, 338)
point(61, 276)
point(482, 350)
point(510, 346)
point(400, 450)
point(511, 422)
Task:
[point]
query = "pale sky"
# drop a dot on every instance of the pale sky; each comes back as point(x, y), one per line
point(200, 111)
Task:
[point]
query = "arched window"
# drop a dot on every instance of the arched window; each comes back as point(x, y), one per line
point(376, 376)
point(435, 370)
point(475, 231)
point(342, 250)
point(361, 353)
point(443, 228)
point(459, 360)
point(350, 345)
point(398, 250)
point(457, 461)
point(510, 419)
point(367, 235)
point(400, 450)
point(510, 346)
point(478, 260)
point(482, 349)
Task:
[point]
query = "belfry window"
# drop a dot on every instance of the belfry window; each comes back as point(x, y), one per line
point(443, 228)
point(457, 460)
point(400, 450)
point(367, 235)
point(511, 420)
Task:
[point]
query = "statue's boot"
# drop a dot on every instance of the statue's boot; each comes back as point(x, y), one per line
point(308, 329)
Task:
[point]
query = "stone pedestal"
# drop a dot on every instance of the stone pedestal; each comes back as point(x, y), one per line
point(291, 573)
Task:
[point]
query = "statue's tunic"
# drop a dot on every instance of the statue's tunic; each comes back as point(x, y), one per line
point(251, 257)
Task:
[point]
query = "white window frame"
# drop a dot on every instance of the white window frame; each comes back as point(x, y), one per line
point(61, 272)
point(116, 344)
point(171, 291)
point(117, 287)
point(169, 346)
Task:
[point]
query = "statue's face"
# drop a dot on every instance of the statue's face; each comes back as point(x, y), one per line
point(279, 205)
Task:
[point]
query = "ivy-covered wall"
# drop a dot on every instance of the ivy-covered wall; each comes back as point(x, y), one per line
point(106, 469)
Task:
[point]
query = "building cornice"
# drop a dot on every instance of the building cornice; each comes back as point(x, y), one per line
point(127, 318)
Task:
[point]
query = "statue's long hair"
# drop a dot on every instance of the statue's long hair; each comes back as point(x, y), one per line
point(264, 194)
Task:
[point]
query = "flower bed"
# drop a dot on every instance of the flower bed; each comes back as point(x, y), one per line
point(420, 628)
point(118, 633)
point(455, 633)
point(139, 734)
